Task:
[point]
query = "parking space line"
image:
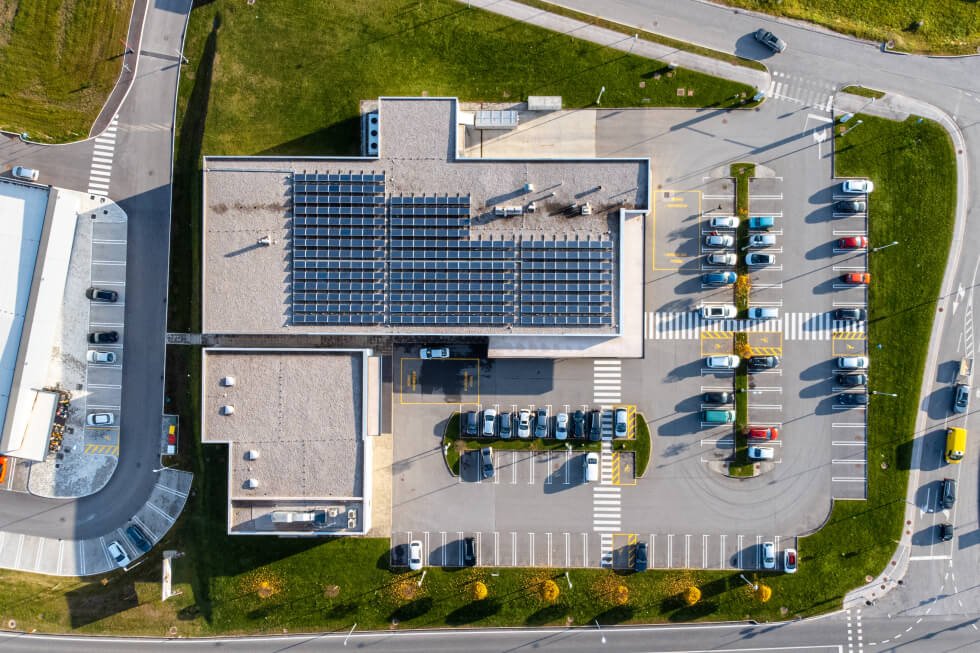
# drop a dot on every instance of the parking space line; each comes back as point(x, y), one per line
point(568, 467)
point(738, 553)
point(442, 547)
point(670, 549)
point(426, 545)
point(687, 550)
point(513, 548)
point(568, 553)
point(704, 551)
point(721, 552)
point(585, 549)
point(513, 468)
point(530, 480)
point(496, 549)
point(549, 549)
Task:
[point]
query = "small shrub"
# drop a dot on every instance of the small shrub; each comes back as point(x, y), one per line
point(692, 595)
point(478, 591)
point(764, 593)
point(549, 591)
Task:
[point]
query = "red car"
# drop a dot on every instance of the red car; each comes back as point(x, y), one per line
point(764, 432)
point(858, 278)
point(854, 242)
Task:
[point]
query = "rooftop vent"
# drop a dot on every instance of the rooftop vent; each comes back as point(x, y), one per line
point(251, 484)
point(252, 454)
point(227, 381)
point(227, 410)
point(265, 240)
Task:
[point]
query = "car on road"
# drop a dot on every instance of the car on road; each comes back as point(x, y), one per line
point(138, 538)
point(961, 398)
point(789, 561)
point(853, 242)
point(768, 555)
point(759, 241)
point(853, 398)
point(541, 419)
point(590, 469)
point(595, 426)
point(469, 552)
point(100, 419)
point(718, 311)
point(640, 557)
point(718, 241)
point(756, 259)
point(718, 278)
point(763, 432)
point(506, 426)
point(858, 186)
point(118, 554)
point(524, 423)
point(471, 426)
point(725, 222)
point(850, 314)
point(724, 362)
point(30, 174)
point(852, 380)
point(762, 222)
point(619, 423)
point(486, 462)
point(415, 555)
point(763, 313)
point(429, 353)
point(947, 493)
point(761, 453)
point(103, 337)
point(102, 295)
point(722, 258)
point(945, 532)
point(770, 40)
point(561, 426)
point(105, 357)
point(717, 397)
point(850, 206)
point(852, 362)
point(756, 363)
point(856, 278)
point(490, 422)
point(578, 424)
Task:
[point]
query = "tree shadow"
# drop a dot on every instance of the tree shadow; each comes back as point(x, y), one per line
point(473, 612)
point(412, 610)
point(547, 615)
point(616, 615)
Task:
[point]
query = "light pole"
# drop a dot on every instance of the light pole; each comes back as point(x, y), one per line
point(857, 124)
point(635, 36)
point(422, 578)
point(601, 636)
point(350, 633)
point(878, 249)
point(754, 586)
point(569, 579)
point(157, 471)
point(599, 99)
point(886, 394)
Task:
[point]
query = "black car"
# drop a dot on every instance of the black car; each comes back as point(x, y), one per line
point(756, 363)
point(850, 206)
point(947, 493)
point(717, 397)
point(851, 314)
point(595, 426)
point(640, 560)
point(469, 552)
point(578, 424)
point(852, 380)
point(99, 337)
point(101, 295)
point(472, 424)
point(138, 538)
point(945, 532)
point(854, 399)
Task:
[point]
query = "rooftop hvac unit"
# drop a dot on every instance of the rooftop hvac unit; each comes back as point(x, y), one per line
point(544, 103)
point(529, 188)
point(372, 133)
point(333, 511)
point(227, 410)
point(265, 241)
point(252, 454)
point(251, 484)
point(495, 119)
point(508, 210)
point(586, 209)
point(227, 381)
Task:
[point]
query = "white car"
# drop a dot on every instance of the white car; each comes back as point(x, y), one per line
point(619, 421)
point(719, 258)
point(762, 453)
point(415, 555)
point(490, 422)
point(524, 423)
point(790, 561)
point(723, 223)
point(756, 259)
point(852, 362)
point(718, 311)
point(718, 241)
point(100, 419)
point(768, 555)
point(591, 467)
point(561, 426)
point(762, 240)
point(428, 353)
point(30, 174)
point(106, 357)
point(858, 186)
point(118, 554)
point(726, 362)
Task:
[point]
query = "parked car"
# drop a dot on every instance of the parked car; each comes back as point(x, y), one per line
point(561, 426)
point(469, 551)
point(118, 554)
point(590, 469)
point(103, 337)
point(759, 241)
point(726, 222)
point(578, 424)
point(853, 242)
point(102, 295)
point(105, 357)
point(595, 426)
point(718, 241)
point(138, 538)
point(762, 222)
point(726, 362)
point(947, 493)
point(854, 398)
point(619, 423)
point(717, 416)
point(858, 186)
point(850, 206)
point(768, 555)
point(770, 40)
point(490, 422)
point(541, 426)
point(30, 174)
point(852, 362)
point(506, 426)
point(471, 426)
point(961, 398)
point(722, 258)
point(850, 314)
point(718, 311)
point(640, 557)
point(717, 397)
point(763, 432)
point(756, 363)
point(856, 278)
point(852, 380)
point(524, 423)
point(763, 313)
point(756, 259)
point(486, 461)
point(718, 278)
point(415, 555)
point(427, 353)
point(100, 419)
point(789, 561)
point(761, 453)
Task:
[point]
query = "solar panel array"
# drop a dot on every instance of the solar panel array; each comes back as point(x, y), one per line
point(416, 265)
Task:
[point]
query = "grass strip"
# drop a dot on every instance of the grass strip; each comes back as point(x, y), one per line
point(449, 448)
point(863, 92)
point(742, 172)
point(740, 464)
point(640, 446)
point(653, 37)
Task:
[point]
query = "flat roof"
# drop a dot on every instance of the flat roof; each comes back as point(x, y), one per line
point(249, 268)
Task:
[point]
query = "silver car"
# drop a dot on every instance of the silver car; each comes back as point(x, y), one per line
point(620, 428)
point(524, 424)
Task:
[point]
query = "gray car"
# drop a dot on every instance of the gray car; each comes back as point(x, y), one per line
point(770, 40)
point(541, 426)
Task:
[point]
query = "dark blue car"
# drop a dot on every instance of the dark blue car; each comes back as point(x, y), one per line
point(719, 278)
point(138, 538)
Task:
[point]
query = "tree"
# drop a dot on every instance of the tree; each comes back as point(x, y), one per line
point(549, 591)
point(478, 590)
point(764, 593)
point(622, 595)
point(692, 595)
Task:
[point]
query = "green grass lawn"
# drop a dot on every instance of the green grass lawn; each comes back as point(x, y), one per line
point(59, 60)
point(948, 26)
point(863, 91)
point(640, 446)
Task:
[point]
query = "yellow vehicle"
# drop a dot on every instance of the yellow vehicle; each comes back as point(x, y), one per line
point(955, 444)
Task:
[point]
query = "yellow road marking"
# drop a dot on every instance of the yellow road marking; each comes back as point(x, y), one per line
point(108, 449)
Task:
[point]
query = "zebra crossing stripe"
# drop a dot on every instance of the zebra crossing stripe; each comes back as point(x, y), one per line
point(794, 326)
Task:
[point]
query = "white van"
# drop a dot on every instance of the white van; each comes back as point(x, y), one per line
point(591, 467)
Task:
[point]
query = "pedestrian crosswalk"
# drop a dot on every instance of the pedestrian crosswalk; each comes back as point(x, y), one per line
point(607, 515)
point(101, 169)
point(607, 379)
point(688, 325)
point(804, 91)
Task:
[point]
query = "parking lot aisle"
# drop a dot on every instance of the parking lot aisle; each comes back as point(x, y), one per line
point(100, 172)
point(848, 461)
point(607, 381)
